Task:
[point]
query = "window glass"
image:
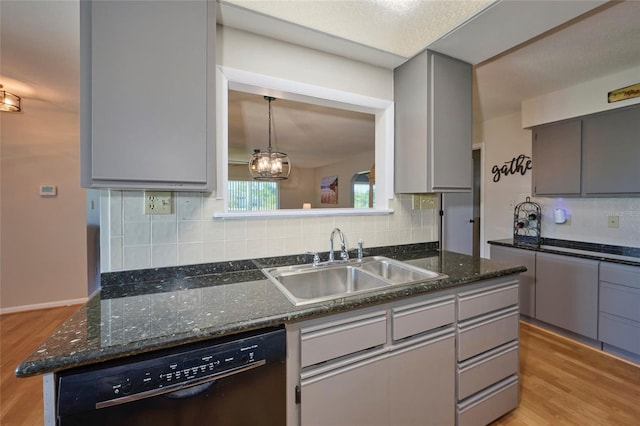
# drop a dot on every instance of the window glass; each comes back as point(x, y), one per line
point(246, 196)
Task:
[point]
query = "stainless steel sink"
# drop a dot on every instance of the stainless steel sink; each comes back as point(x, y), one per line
point(305, 284)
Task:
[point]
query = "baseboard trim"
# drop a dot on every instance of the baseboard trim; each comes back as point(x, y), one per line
point(47, 305)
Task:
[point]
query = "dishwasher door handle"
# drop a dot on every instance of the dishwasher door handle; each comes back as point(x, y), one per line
point(180, 390)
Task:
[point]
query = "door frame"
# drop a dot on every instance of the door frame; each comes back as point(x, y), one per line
point(480, 147)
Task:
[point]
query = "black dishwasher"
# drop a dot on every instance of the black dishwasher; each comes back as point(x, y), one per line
point(238, 380)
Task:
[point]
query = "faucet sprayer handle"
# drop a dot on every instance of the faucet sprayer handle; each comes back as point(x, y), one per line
point(316, 257)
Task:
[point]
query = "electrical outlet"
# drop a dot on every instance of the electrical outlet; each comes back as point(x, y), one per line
point(613, 221)
point(157, 202)
point(568, 222)
point(416, 202)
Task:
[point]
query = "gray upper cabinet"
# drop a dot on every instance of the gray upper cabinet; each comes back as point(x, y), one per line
point(611, 143)
point(557, 152)
point(596, 155)
point(148, 94)
point(433, 124)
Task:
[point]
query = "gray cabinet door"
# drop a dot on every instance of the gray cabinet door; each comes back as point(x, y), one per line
point(422, 383)
point(432, 94)
point(148, 114)
point(557, 150)
point(611, 144)
point(567, 293)
point(355, 394)
point(527, 279)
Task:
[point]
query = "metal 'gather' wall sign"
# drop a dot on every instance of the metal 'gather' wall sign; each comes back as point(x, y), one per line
point(519, 164)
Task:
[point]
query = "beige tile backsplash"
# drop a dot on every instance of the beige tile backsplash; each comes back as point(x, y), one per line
point(190, 234)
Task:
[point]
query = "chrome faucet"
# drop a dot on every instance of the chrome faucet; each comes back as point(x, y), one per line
point(344, 254)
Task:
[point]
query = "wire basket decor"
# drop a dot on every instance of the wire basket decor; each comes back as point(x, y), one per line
point(526, 222)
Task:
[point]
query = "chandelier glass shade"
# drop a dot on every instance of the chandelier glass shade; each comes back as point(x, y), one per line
point(9, 101)
point(269, 165)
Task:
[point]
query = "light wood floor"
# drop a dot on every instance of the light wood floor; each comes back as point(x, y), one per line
point(561, 382)
point(20, 334)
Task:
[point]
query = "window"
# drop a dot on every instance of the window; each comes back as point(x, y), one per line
point(361, 190)
point(248, 196)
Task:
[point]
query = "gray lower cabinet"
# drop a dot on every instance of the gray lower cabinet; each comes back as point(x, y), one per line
point(567, 293)
point(414, 370)
point(432, 94)
point(355, 393)
point(380, 367)
point(527, 279)
point(487, 334)
point(439, 359)
point(619, 315)
point(557, 154)
point(611, 150)
point(148, 94)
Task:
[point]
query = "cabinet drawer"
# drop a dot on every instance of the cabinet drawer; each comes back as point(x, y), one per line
point(484, 370)
point(342, 337)
point(619, 332)
point(478, 302)
point(487, 406)
point(620, 300)
point(620, 274)
point(485, 333)
point(420, 317)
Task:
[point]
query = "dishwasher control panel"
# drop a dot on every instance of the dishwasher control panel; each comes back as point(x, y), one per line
point(178, 370)
point(169, 370)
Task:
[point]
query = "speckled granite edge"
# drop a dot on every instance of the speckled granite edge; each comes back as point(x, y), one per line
point(55, 353)
point(602, 252)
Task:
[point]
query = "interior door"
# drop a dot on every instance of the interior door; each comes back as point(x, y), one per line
point(461, 216)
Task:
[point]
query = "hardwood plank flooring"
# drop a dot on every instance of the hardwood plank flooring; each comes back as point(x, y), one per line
point(20, 334)
point(561, 382)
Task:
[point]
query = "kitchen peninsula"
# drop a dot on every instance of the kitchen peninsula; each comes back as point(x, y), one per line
point(147, 310)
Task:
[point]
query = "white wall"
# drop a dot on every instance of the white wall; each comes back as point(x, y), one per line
point(504, 139)
point(44, 240)
point(190, 235)
point(582, 99)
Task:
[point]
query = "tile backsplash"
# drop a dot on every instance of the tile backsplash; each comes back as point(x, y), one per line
point(132, 240)
point(588, 220)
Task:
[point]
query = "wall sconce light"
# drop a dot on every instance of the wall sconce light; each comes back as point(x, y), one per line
point(270, 165)
point(9, 101)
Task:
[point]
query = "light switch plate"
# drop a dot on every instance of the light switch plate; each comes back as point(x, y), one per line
point(157, 202)
point(613, 221)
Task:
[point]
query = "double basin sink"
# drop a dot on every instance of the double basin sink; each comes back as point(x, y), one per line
point(305, 284)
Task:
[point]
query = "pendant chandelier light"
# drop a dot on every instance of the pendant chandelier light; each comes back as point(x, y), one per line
point(270, 165)
point(9, 101)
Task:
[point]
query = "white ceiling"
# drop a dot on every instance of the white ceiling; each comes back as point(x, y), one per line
point(39, 43)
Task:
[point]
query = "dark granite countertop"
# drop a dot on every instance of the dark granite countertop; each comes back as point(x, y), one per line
point(142, 311)
point(603, 252)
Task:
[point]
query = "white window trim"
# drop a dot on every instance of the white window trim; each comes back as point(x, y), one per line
point(235, 79)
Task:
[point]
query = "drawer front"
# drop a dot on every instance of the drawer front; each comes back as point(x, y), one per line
point(420, 317)
point(619, 332)
point(620, 300)
point(474, 303)
point(482, 335)
point(485, 370)
point(338, 338)
point(490, 404)
point(620, 274)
